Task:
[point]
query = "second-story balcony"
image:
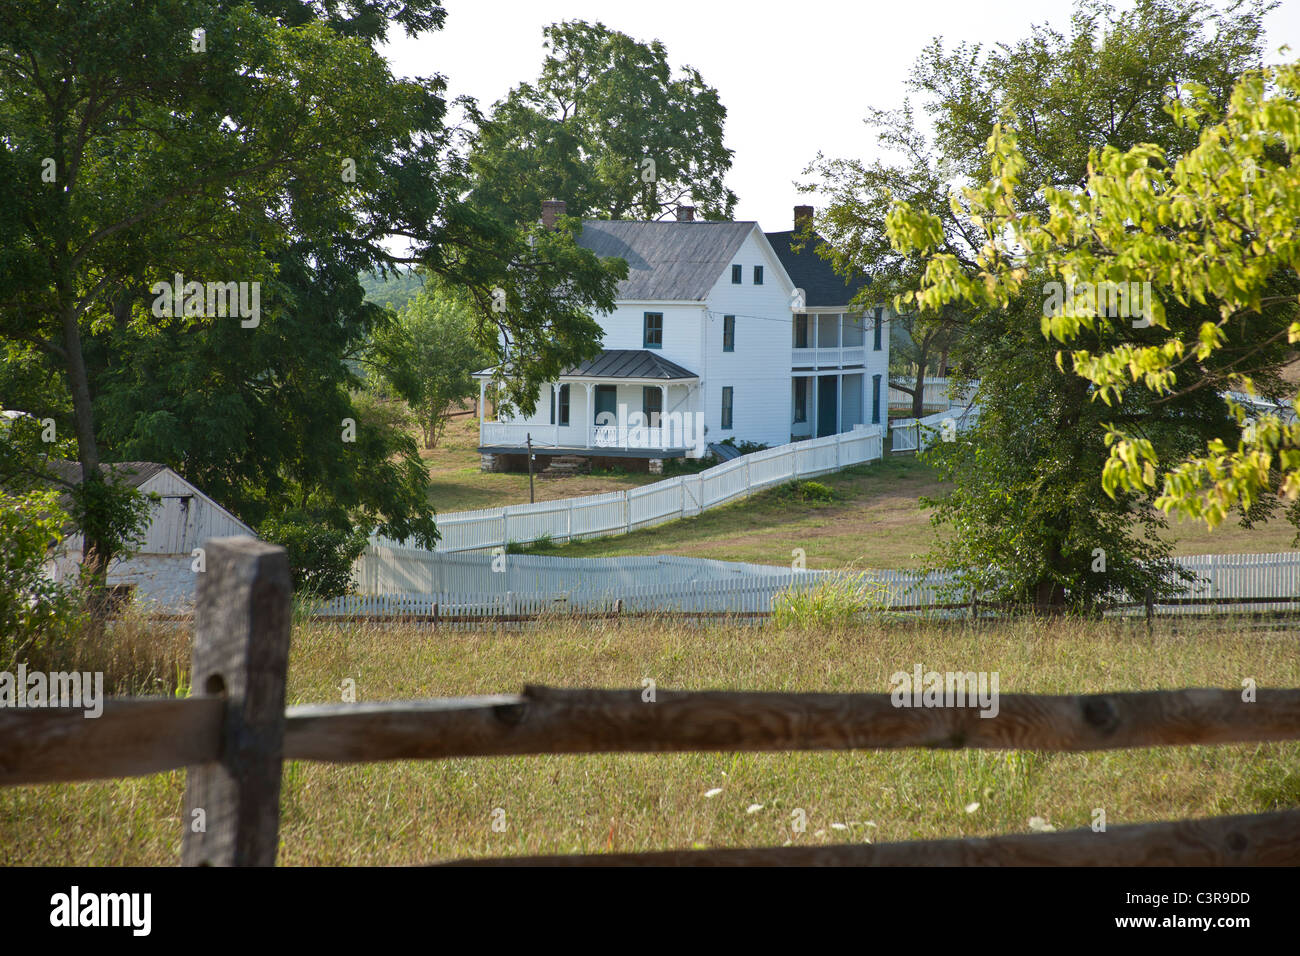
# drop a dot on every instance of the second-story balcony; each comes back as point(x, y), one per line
point(829, 340)
point(828, 357)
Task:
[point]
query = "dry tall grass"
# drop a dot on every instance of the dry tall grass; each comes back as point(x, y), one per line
point(409, 812)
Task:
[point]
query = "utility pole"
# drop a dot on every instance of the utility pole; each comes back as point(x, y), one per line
point(530, 467)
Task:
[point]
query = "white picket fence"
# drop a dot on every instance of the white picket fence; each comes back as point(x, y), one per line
point(918, 434)
point(937, 393)
point(618, 512)
point(406, 581)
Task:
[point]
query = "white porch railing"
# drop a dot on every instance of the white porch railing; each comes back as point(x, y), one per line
point(623, 437)
point(516, 434)
point(627, 437)
point(829, 358)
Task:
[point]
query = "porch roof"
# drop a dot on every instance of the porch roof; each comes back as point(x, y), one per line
point(624, 365)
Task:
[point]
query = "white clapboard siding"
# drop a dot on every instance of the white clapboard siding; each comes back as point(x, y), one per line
point(181, 521)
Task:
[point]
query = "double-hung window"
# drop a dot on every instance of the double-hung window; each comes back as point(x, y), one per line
point(560, 404)
point(728, 333)
point(654, 331)
point(801, 399)
point(728, 395)
point(758, 275)
point(737, 274)
point(652, 404)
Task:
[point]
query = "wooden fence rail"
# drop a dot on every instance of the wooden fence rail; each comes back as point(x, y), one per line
point(234, 734)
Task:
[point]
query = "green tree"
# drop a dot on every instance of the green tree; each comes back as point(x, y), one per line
point(264, 143)
point(1025, 496)
point(429, 356)
point(1216, 232)
point(32, 607)
point(609, 128)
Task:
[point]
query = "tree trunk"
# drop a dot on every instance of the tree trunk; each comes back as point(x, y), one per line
point(918, 396)
point(95, 551)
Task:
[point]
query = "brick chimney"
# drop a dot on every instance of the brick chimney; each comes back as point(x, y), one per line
point(551, 210)
point(802, 214)
point(685, 213)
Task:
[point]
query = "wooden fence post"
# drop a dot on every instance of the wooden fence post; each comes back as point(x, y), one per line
point(1150, 604)
point(241, 651)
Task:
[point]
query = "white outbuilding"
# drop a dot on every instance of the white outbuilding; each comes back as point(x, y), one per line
point(161, 571)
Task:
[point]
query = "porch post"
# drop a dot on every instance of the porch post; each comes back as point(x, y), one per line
point(590, 414)
point(663, 411)
point(839, 402)
point(817, 405)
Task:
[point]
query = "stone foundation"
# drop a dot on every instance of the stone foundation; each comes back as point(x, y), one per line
point(656, 466)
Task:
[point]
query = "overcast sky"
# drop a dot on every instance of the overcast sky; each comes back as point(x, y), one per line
point(795, 77)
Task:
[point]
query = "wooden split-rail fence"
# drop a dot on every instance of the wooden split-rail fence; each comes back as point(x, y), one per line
point(233, 735)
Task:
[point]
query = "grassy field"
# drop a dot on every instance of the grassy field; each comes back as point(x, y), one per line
point(875, 520)
point(457, 484)
point(407, 812)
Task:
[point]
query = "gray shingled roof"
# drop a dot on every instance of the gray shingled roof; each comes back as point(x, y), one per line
point(132, 473)
point(821, 284)
point(629, 363)
point(666, 260)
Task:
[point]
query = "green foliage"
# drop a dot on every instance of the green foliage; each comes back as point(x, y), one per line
point(320, 557)
point(1021, 492)
point(1029, 503)
point(603, 104)
point(394, 290)
point(282, 154)
point(32, 607)
point(806, 491)
point(1201, 200)
point(744, 447)
point(836, 601)
point(257, 417)
point(429, 355)
point(108, 510)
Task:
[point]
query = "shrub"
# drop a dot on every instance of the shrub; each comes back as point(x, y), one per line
point(33, 608)
point(810, 491)
point(320, 556)
point(834, 602)
point(744, 447)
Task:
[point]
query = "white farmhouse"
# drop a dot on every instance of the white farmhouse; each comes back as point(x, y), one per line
point(161, 572)
point(719, 331)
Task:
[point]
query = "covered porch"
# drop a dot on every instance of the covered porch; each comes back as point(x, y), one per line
point(625, 403)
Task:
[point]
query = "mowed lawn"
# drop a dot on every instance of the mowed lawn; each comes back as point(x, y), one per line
point(457, 484)
point(409, 812)
point(875, 520)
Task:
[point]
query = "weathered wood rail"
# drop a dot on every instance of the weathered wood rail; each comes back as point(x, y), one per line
point(234, 733)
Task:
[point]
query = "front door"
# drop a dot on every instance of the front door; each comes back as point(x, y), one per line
point(606, 401)
point(827, 405)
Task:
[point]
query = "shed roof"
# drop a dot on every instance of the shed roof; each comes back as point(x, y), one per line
point(666, 260)
point(132, 473)
point(629, 363)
